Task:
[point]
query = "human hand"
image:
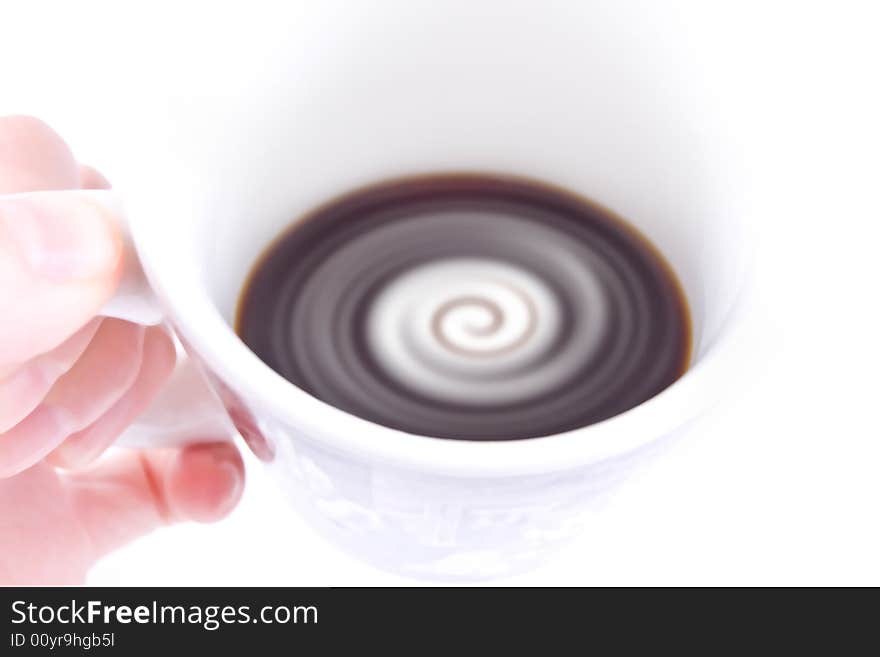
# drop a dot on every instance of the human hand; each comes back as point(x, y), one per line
point(70, 382)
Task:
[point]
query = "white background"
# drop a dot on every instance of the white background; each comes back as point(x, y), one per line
point(778, 486)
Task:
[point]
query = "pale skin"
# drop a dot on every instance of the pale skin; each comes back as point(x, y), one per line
point(70, 382)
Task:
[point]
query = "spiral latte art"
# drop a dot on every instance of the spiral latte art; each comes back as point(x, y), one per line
point(468, 307)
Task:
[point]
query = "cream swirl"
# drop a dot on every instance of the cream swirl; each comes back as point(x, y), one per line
point(470, 331)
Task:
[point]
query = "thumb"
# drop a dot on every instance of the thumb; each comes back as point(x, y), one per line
point(133, 493)
point(60, 260)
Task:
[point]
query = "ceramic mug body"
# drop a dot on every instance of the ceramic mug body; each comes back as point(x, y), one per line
point(587, 96)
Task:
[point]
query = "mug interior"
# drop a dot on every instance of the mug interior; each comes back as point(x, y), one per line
point(593, 97)
point(575, 95)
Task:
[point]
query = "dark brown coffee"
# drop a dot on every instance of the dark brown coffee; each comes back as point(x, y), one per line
point(474, 307)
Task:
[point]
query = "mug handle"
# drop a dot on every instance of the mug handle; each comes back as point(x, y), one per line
point(187, 410)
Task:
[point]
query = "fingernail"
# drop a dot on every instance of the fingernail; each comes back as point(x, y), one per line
point(62, 236)
point(227, 460)
point(235, 488)
point(216, 472)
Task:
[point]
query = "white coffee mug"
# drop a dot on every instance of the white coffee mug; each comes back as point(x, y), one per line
point(586, 95)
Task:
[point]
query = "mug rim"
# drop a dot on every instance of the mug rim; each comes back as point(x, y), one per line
point(195, 316)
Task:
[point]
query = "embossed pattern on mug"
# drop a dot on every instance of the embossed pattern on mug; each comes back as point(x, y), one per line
point(471, 306)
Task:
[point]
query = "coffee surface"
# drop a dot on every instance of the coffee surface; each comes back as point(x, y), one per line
point(473, 307)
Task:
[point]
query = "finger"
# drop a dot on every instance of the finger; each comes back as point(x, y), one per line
point(132, 493)
point(24, 388)
point(60, 260)
point(100, 377)
point(157, 364)
point(33, 157)
point(90, 178)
